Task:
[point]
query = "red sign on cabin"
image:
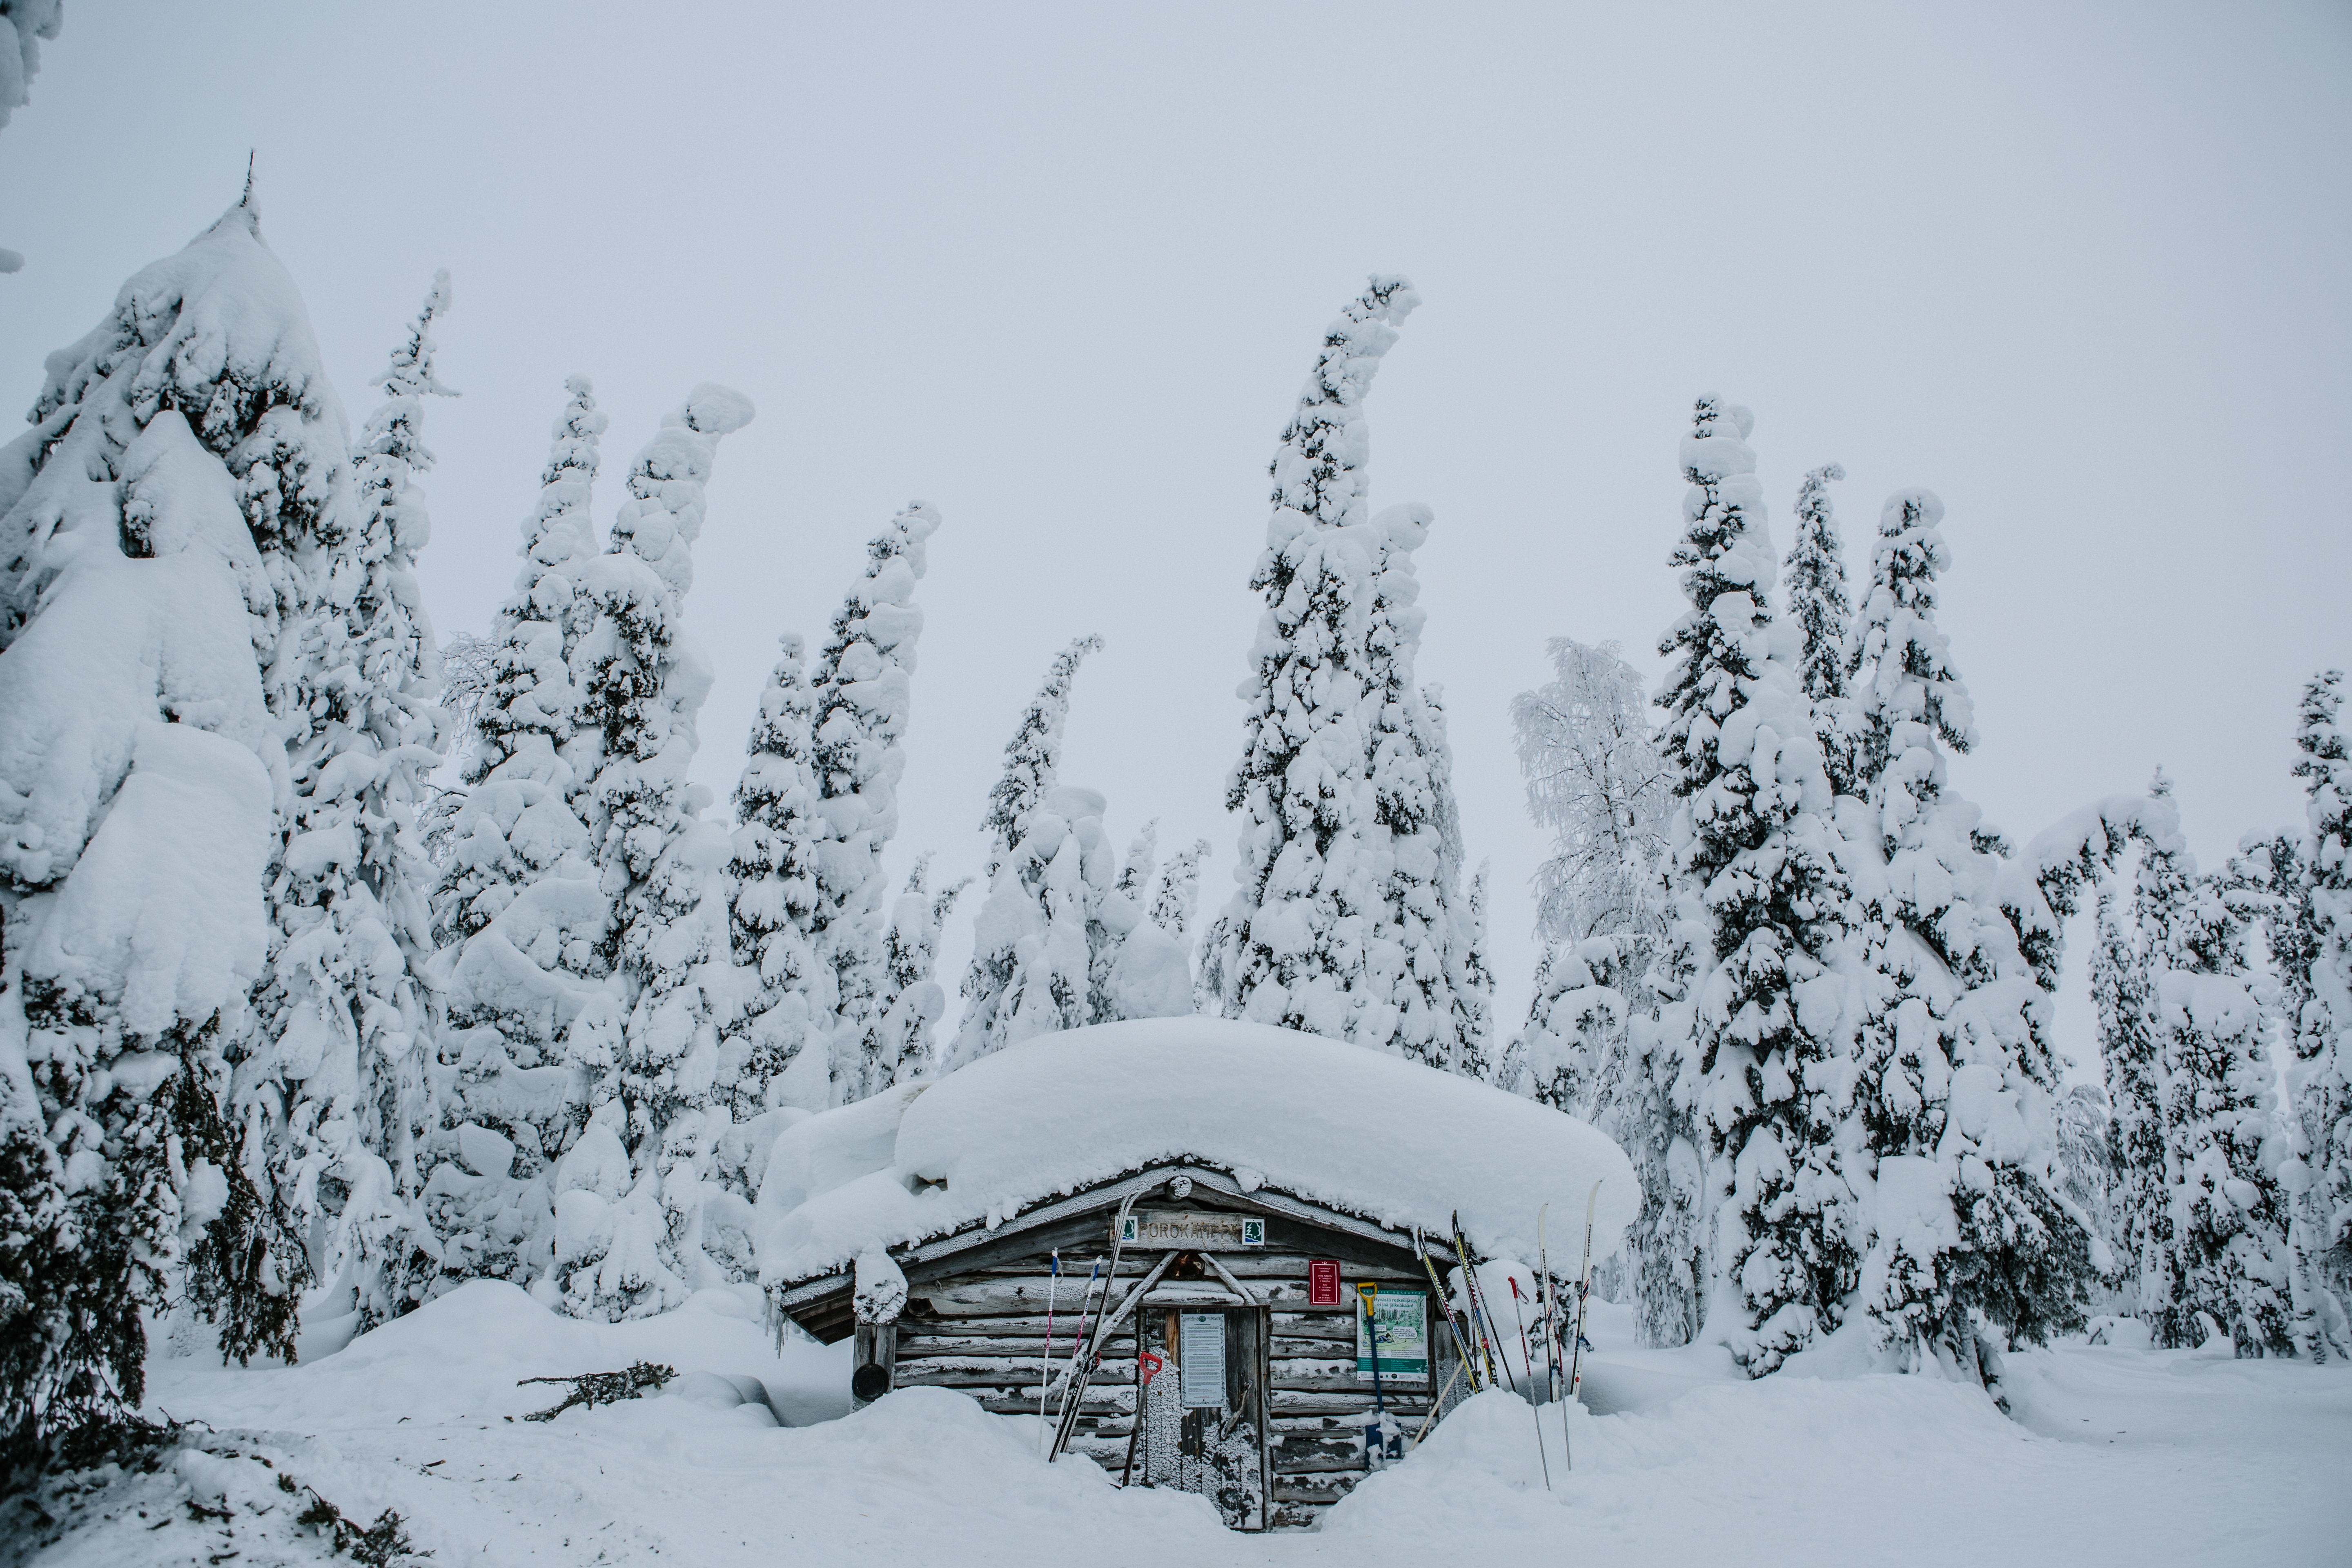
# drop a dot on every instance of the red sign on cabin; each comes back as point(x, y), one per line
point(1322, 1283)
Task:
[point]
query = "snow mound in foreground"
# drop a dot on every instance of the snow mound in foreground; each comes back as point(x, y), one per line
point(1336, 1123)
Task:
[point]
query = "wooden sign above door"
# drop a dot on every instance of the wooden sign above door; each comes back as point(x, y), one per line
point(1191, 1228)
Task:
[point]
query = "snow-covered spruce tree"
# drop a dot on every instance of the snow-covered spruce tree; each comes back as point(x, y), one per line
point(1137, 968)
point(642, 681)
point(1474, 990)
point(1815, 575)
point(2128, 1057)
point(186, 457)
point(2313, 947)
point(1176, 893)
point(1418, 956)
point(1011, 910)
point(339, 1091)
point(1570, 1052)
point(23, 24)
point(2226, 1254)
point(1033, 757)
point(1115, 914)
point(517, 820)
point(864, 698)
point(1314, 861)
point(912, 1001)
point(1955, 1082)
point(1759, 987)
point(785, 1032)
point(528, 965)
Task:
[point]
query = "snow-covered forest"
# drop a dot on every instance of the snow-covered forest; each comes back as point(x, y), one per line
point(422, 967)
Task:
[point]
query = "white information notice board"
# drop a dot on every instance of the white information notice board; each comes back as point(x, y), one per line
point(1202, 1340)
point(1403, 1329)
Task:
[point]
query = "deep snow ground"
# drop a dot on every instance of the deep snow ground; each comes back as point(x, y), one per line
point(2117, 1457)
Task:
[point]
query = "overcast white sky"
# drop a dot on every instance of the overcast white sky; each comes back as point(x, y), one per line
point(1061, 271)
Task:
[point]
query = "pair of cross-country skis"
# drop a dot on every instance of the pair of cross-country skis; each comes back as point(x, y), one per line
point(1557, 1346)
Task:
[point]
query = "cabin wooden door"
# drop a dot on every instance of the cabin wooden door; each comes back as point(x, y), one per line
point(1202, 1421)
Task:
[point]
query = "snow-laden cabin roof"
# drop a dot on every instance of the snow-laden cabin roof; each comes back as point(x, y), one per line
point(1353, 1130)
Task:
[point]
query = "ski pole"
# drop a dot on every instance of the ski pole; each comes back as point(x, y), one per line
point(1046, 1372)
point(1528, 1360)
point(1438, 1404)
point(1146, 1363)
point(1375, 1434)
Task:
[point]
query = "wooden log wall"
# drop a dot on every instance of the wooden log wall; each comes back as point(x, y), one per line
point(983, 1330)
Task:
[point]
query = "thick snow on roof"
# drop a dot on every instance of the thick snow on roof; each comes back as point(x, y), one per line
point(1337, 1124)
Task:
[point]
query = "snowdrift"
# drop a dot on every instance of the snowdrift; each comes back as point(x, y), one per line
point(1374, 1135)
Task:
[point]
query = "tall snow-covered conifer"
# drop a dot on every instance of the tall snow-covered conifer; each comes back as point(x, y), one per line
point(339, 1097)
point(1314, 859)
point(912, 1001)
point(1763, 920)
point(186, 476)
point(529, 965)
point(1013, 908)
point(1956, 1083)
point(788, 1027)
point(2226, 1254)
point(2314, 954)
point(2119, 976)
point(1176, 892)
point(642, 681)
point(865, 694)
point(1815, 575)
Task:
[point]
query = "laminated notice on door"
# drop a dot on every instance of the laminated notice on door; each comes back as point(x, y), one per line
point(1204, 1341)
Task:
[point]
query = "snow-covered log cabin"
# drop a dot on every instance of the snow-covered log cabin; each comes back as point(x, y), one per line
point(1225, 1203)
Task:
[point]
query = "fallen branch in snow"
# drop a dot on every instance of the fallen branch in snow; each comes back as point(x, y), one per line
point(594, 1388)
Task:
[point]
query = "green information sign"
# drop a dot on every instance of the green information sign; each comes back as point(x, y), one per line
point(1401, 1320)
